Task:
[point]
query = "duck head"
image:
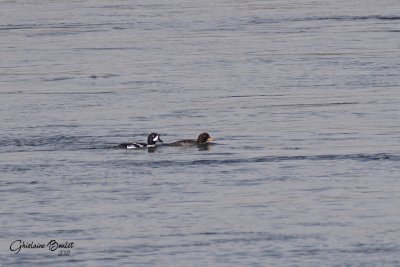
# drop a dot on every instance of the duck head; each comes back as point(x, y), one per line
point(204, 138)
point(153, 139)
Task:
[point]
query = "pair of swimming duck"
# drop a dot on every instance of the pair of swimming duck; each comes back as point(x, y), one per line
point(153, 138)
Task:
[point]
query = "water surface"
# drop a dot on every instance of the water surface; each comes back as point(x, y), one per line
point(302, 98)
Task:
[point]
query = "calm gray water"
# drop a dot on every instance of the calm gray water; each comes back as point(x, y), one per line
point(301, 96)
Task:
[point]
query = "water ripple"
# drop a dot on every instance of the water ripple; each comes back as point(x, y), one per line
point(259, 20)
point(262, 159)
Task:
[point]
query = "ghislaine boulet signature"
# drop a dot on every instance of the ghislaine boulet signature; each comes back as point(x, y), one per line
point(17, 245)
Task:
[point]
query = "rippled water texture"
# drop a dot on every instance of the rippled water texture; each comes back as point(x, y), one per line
point(302, 98)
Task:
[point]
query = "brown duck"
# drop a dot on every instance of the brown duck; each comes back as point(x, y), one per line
point(201, 140)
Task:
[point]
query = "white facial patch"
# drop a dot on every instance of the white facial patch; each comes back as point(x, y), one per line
point(155, 139)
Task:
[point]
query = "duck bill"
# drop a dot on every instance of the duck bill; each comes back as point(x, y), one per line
point(159, 140)
point(209, 139)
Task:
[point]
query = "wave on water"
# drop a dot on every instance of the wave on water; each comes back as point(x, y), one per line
point(259, 20)
point(265, 159)
point(358, 157)
point(55, 93)
point(30, 26)
point(349, 18)
point(51, 143)
point(76, 143)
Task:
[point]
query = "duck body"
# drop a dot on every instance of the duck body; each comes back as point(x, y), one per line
point(133, 145)
point(203, 139)
point(152, 139)
point(187, 142)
